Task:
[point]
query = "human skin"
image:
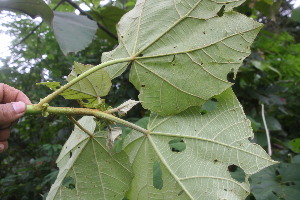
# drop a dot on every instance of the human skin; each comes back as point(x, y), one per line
point(12, 106)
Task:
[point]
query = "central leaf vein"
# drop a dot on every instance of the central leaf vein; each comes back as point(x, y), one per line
point(168, 167)
point(208, 140)
point(170, 28)
point(99, 170)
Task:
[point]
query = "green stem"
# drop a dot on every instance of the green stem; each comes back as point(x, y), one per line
point(111, 111)
point(81, 127)
point(36, 109)
point(51, 96)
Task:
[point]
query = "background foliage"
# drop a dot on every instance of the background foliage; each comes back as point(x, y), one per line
point(269, 76)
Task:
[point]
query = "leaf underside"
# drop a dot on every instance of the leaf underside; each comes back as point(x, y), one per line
point(88, 169)
point(183, 50)
point(73, 32)
point(214, 141)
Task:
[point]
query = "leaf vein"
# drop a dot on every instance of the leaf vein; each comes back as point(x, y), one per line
point(208, 140)
point(112, 156)
point(168, 167)
point(215, 177)
point(206, 69)
point(169, 82)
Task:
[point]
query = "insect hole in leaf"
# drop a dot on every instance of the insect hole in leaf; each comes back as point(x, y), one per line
point(177, 145)
point(157, 176)
point(221, 11)
point(209, 106)
point(237, 173)
point(231, 76)
point(69, 182)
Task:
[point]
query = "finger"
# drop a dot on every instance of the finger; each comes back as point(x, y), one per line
point(3, 146)
point(5, 126)
point(9, 94)
point(4, 134)
point(10, 112)
point(22, 97)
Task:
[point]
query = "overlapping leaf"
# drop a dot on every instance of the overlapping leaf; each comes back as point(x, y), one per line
point(183, 50)
point(90, 88)
point(280, 181)
point(88, 170)
point(193, 152)
point(73, 32)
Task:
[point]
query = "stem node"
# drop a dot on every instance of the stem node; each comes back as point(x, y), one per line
point(36, 109)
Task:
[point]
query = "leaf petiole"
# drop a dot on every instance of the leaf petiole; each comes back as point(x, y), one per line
point(81, 127)
point(51, 96)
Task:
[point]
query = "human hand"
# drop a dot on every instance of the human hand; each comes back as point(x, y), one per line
point(12, 107)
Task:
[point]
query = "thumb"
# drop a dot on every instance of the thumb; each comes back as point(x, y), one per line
point(10, 112)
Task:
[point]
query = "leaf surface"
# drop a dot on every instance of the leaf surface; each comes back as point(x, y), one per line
point(73, 32)
point(280, 181)
point(183, 50)
point(86, 164)
point(90, 88)
point(194, 152)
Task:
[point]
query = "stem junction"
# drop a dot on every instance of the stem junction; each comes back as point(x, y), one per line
point(51, 96)
point(36, 109)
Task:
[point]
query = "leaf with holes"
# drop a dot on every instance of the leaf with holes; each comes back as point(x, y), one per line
point(194, 152)
point(89, 89)
point(86, 164)
point(182, 50)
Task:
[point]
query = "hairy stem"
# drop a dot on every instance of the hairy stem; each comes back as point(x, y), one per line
point(111, 111)
point(36, 109)
point(51, 96)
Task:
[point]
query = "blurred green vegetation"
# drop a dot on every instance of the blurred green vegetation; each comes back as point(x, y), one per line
point(269, 76)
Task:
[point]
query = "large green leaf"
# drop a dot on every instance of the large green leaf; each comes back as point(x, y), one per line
point(89, 89)
point(183, 50)
point(88, 169)
point(193, 152)
point(33, 8)
point(73, 32)
point(280, 181)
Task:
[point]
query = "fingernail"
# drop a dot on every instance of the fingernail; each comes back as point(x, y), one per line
point(1, 147)
point(19, 107)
